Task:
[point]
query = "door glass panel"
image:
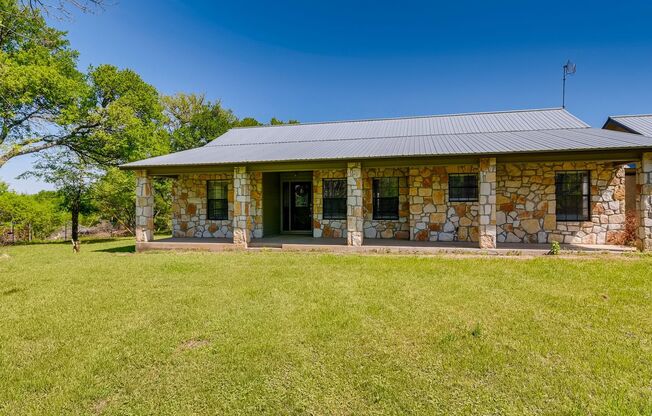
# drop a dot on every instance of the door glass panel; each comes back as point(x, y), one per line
point(301, 196)
point(300, 207)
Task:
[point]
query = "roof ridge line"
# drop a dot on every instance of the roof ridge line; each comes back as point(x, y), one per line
point(407, 117)
point(632, 115)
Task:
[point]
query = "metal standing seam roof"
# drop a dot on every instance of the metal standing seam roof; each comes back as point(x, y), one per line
point(525, 131)
point(640, 124)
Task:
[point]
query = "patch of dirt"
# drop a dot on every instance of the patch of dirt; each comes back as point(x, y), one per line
point(192, 344)
point(99, 406)
point(4, 256)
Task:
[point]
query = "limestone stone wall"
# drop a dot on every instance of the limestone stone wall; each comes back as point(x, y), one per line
point(144, 207)
point(487, 203)
point(247, 205)
point(644, 202)
point(189, 207)
point(525, 199)
point(432, 216)
point(398, 229)
point(354, 204)
point(326, 228)
point(256, 207)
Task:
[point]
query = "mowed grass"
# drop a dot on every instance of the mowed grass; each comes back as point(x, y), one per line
point(109, 332)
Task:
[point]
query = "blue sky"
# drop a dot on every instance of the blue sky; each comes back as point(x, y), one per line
point(316, 61)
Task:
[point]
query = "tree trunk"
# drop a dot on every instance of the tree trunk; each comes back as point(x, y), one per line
point(74, 211)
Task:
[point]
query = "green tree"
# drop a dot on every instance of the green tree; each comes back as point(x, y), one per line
point(28, 216)
point(73, 178)
point(39, 83)
point(193, 121)
point(120, 120)
point(248, 122)
point(115, 200)
point(62, 7)
point(276, 122)
point(108, 115)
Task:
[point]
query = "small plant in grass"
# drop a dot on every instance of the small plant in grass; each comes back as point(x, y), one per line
point(476, 331)
point(554, 248)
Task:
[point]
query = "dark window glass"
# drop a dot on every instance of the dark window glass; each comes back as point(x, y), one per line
point(334, 199)
point(218, 200)
point(463, 187)
point(385, 198)
point(573, 195)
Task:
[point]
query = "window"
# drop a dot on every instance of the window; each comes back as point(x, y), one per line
point(385, 198)
point(334, 199)
point(572, 191)
point(463, 187)
point(218, 200)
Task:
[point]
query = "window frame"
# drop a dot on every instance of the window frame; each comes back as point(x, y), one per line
point(328, 214)
point(224, 200)
point(476, 188)
point(377, 199)
point(585, 214)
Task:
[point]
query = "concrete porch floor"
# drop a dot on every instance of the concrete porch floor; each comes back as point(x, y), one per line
point(307, 243)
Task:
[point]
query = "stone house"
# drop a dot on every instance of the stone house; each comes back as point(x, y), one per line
point(532, 176)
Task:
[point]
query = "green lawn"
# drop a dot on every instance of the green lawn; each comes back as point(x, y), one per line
point(110, 332)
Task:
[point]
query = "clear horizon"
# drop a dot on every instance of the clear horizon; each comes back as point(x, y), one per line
point(335, 61)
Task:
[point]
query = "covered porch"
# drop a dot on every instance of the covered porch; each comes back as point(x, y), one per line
point(275, 207)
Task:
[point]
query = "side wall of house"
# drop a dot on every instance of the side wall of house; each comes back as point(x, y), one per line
point(189, 207)
point(525, 198)
point(373, 228)
point(326, 228)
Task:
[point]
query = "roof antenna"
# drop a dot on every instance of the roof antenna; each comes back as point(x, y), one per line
point(569, 69)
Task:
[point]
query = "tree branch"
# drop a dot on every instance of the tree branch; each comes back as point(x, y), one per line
point(24, 150)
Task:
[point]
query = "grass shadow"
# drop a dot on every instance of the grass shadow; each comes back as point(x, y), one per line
point(129, 248)
point(85, 241)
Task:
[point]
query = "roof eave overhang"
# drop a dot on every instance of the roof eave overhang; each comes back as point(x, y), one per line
point(612, 155)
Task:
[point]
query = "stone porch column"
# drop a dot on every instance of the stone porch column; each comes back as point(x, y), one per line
point(144, 207)
point(241, 207)
point(487, 202)
point(354, 217)
point(644, 202)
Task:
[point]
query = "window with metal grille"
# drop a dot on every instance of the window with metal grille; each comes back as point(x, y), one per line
point(385, 197)
point(573, 195)
point(334, 199)
point(463, 187)
point(218, 200)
